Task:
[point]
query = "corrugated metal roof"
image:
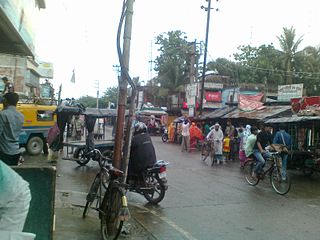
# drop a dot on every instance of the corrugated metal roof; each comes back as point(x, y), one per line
point(218, 113)
point(293, 119)
point(267, 112)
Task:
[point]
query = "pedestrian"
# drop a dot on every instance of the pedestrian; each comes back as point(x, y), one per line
point(185, 132)
point(8, 86)
point(77, 126)
point(226, 148)
point(282, 137)
point(171, 130)
point(216, 137)
point(230, 131)
point(206, 129)
point(250, 142)
point(11, 122)
point(15, 200)
point(243, 139)
point(264, 139)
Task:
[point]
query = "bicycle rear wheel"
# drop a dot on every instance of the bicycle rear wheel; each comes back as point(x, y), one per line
point(248, 170)
point(280, 186)
point(111, 224)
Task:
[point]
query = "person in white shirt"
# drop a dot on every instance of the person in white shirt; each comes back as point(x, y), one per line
point(216, 137)
point(185, 135)
point(15, 200)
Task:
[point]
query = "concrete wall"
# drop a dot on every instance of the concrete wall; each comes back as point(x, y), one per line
point(17, 69)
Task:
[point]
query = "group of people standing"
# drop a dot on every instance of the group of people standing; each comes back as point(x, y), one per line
point(238, 143)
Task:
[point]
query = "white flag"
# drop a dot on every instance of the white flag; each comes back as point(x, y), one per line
point(73, 77)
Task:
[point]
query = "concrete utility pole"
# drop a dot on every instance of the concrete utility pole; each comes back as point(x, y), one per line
point(205, 54)
point(97, 86)
point(122, 99)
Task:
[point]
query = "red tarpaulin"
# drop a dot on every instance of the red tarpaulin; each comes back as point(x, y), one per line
point(250, 102)
point(298, 104)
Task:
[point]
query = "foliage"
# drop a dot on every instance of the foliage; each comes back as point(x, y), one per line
point(110, 95)
point(88, 101)
point(289, 48)
point(173, 62)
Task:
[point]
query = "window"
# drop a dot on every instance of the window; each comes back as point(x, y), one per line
point(43, 115)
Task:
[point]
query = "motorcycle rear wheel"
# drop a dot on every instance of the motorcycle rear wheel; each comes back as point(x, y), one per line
point(164, 138)
point(157, 193)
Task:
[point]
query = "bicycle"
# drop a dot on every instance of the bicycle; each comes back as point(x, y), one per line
point(111, 202)
point(207, 150)
point(280, 186)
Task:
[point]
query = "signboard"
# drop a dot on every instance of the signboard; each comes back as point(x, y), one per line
point(286, 92)
point(45, 69)
point(213, 85)
point(192, 90)
point(213, 96)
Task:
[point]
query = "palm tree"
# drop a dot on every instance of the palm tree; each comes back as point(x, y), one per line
point(289, 47)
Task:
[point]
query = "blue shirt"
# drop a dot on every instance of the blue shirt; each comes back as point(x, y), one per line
point(286, 138)
point(11, 122)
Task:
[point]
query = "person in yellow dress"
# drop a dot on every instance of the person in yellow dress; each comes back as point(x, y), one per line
point(226, 148)
point(171, 132)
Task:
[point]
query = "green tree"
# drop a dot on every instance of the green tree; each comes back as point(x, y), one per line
point(307, 66)
point(88, 101)
point(259, 64)
point(110, 95)
point(289, 46)
point(172, 63)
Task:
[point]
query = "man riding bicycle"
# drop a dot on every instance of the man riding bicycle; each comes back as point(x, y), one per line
point(264, 139)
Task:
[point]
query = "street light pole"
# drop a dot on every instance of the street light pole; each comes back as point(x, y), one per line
point(205, 54)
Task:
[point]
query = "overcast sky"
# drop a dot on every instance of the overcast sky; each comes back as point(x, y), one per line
point(81, 35)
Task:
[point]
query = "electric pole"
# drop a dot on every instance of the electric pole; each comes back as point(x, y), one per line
point(122, 94)
point(208, 9)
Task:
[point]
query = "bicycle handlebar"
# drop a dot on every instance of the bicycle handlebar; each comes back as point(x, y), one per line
point(105, 165)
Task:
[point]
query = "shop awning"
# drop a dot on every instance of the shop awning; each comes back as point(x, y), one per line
point(267, 112)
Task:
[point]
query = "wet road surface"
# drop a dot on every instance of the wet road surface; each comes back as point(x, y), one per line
point(202, 202)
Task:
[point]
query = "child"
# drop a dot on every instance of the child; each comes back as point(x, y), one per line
point(226, 148)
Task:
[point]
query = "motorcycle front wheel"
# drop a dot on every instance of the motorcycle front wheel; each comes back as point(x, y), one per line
point(80, 154)
point(155, 189)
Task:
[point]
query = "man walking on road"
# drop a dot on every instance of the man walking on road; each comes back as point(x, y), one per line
point(185, 135)
point(10, 127)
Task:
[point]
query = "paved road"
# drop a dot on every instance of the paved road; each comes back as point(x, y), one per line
point(202, 202)
point(205, 202)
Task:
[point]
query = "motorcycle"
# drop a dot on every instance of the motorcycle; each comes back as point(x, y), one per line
point(165, 136)
point(151, 183)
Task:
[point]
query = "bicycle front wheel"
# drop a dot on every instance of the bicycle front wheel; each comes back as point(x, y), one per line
point(92, 195)
point(248, 170)
point(204, 152)
point(280, 186)
point(111, 224)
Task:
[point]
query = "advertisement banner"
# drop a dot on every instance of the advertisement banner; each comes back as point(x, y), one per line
point(286, 92)
point(213, 96)
point(250, 102)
